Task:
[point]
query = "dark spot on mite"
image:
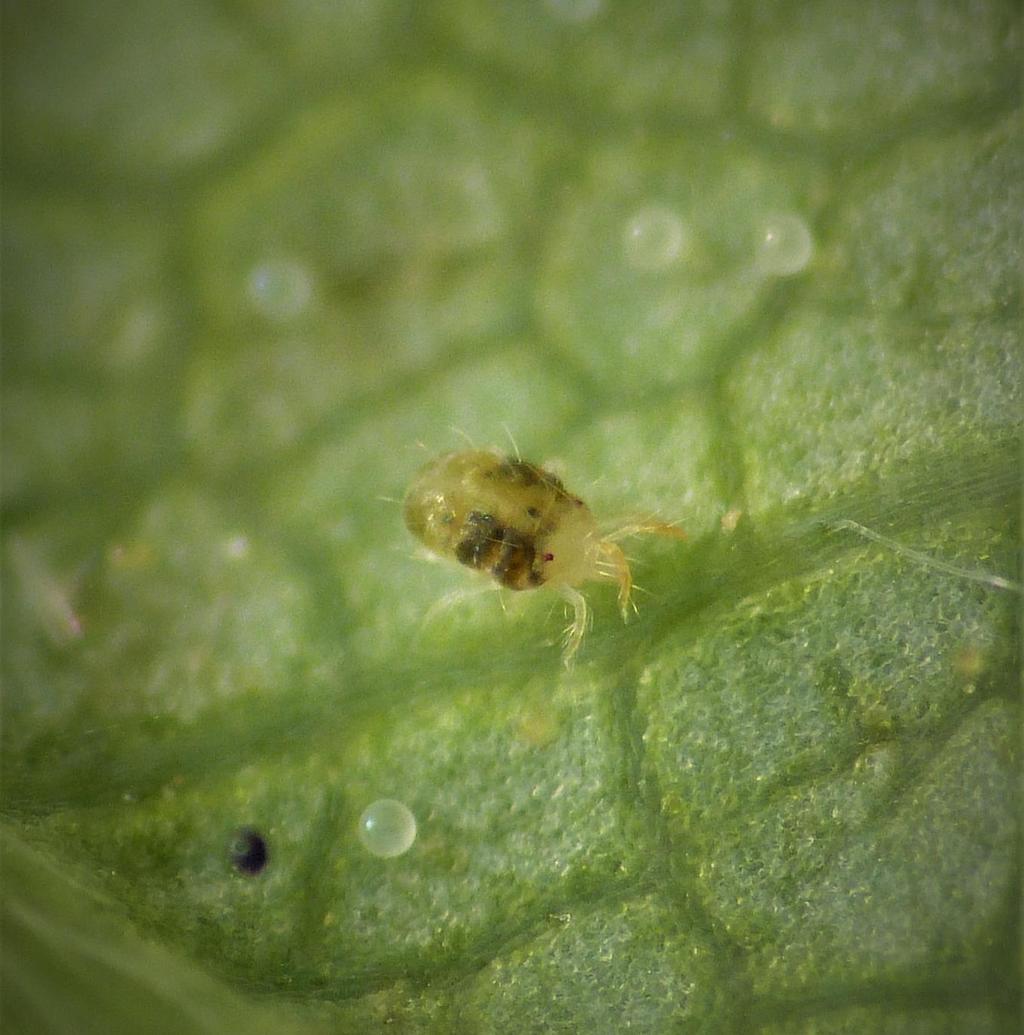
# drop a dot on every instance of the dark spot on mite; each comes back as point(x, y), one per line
point(532, 512)
point(480, 536)
point(504, 552)
point(549, 556)
point(513, 566)
point(521, 473)
point(249, 852)
point(516, 472)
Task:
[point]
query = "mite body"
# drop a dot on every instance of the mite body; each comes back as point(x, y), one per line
point(517, 523)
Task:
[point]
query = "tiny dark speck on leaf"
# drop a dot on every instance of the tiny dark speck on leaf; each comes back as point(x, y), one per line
point(249, 851)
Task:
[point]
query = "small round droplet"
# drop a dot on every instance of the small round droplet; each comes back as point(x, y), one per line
point(280, 288)
point(237, 547)
point(574, 11)
point(654, 237)
point(249, 852)
point(387, 828)
point(784, 245)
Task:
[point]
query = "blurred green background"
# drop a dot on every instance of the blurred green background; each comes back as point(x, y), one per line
point(752, 267)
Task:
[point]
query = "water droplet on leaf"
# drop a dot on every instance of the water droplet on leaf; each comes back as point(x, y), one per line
point(280, 288)
point(784, 245)
point(387, 828)
point(654, 237)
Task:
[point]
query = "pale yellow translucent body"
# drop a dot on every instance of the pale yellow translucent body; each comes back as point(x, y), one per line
point(516, 522)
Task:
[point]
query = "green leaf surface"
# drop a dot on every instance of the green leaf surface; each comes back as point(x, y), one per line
point(753, 268)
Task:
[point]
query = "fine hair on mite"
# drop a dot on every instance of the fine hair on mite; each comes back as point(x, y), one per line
point(517, 523)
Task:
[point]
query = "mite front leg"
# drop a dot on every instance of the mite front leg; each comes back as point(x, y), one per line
point(618, 569)
point(647, 526)
point(578, 627)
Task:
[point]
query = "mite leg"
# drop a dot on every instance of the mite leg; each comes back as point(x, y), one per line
point(580, 620)
point(646, 526)
point(455, 597)
point(618, 569)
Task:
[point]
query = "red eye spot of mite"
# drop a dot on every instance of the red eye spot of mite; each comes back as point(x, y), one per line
point(549, 556)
